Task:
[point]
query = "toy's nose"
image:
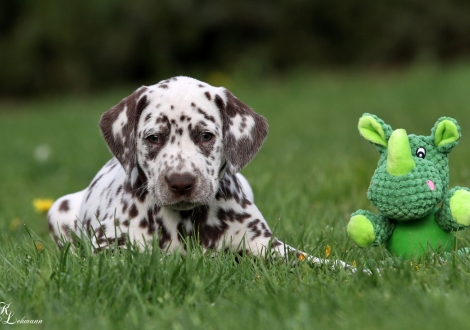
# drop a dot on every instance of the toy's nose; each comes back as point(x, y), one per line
point(399, 159)
point(431, 185)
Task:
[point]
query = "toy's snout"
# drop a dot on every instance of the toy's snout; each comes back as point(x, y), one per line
point(399, 159)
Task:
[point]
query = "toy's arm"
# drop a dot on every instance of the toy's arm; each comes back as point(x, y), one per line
point(455, 211)
point(366, 228)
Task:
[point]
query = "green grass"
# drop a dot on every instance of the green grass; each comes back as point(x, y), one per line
point(312, 172)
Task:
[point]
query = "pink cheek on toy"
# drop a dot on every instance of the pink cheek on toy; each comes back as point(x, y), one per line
point(431, 185)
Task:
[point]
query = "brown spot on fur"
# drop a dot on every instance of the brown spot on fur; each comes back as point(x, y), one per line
point(206, 116)
point(118, 190)
point(133, 211)
point(165, 236)
point(219, 103)
point(100, 232)
point(151, 222)
point(253, 226)
point(143, 223)
point(124, 206)
point(64, 206)
point(231, 215)
point(162, 119)
point(275, 243)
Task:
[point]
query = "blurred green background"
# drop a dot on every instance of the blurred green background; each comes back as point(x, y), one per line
point(59, 46)
point(311, 67)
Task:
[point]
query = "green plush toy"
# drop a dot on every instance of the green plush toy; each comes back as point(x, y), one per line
point(411, 179)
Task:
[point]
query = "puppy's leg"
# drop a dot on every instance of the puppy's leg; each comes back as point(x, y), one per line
point(251, 232)
point(260, 243)
point(247, 228)
point(289, 252)
point(62, 217)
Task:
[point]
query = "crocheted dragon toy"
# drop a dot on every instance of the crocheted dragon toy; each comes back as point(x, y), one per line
point(411, 179)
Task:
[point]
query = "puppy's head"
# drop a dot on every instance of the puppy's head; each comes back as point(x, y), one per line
point(180, 136)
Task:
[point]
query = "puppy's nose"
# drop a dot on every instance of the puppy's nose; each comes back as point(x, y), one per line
point(181, 184)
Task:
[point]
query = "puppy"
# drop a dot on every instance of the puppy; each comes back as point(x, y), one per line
point(178, 147)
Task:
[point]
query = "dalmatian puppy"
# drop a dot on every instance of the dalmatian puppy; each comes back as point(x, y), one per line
point(178, 147)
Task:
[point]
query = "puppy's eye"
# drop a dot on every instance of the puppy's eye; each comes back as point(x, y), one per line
point(421, 152)
point(206, 137)
point(154, 139)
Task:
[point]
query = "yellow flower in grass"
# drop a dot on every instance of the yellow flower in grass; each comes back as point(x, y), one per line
point(39, 247)
point(303, 256)
point(415, 266)
point(327, 251)
point(42, 205)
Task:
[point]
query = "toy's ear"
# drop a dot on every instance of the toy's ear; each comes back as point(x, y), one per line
point(446, 134)
point(374, 130)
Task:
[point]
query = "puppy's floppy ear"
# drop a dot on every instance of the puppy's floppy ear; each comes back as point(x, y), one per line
point(244, 131)
point(118, 126)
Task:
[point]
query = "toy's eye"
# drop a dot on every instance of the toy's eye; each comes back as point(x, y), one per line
point(421, 152)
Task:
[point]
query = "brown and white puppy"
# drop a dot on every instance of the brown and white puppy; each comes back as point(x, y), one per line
point(178, 147)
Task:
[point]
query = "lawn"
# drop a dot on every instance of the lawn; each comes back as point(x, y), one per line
point(311, 174)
